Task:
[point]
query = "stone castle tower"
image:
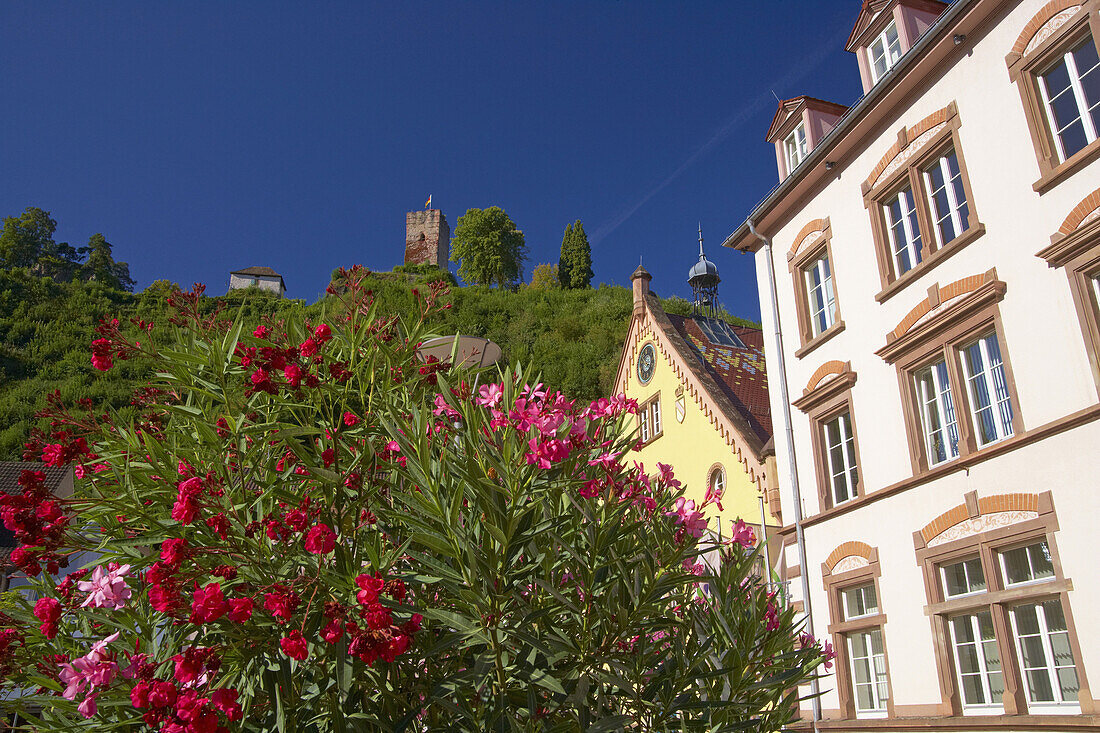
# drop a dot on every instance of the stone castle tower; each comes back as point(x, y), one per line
point(427, 238)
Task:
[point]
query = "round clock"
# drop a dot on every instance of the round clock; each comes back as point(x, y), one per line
point(647, 360)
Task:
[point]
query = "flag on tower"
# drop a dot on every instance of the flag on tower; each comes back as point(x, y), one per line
point(428, 203)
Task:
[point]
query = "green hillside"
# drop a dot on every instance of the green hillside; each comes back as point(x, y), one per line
point(573, 336)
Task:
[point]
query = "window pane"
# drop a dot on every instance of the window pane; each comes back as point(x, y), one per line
point(963, 577)
point(1024, 564)
point(860, 601)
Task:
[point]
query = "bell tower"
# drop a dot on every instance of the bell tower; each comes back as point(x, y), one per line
point(427, 238)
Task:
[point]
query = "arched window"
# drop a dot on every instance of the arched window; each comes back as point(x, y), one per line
point(716, 481)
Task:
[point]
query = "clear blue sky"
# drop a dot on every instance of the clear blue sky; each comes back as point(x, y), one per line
point(203, 137)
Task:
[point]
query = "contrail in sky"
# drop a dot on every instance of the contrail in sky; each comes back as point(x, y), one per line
point(801, 69)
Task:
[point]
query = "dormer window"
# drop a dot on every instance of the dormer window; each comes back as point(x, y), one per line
point(797, 149)
point(884, 52)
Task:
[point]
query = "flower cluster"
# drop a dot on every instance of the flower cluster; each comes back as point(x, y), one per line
point(36, 519)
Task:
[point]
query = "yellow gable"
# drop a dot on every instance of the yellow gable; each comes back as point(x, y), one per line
point(681, 433)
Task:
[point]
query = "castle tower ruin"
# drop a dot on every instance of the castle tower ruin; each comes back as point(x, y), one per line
point(427, 238)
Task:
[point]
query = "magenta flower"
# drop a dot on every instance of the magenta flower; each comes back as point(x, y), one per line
point(490, 395)
point(688, 518)
point(743, 535)
point(607, 461)
point(106, 590)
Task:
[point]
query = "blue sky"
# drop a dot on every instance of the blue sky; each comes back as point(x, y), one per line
point(204, 137)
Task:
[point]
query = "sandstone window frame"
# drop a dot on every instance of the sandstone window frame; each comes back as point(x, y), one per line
point(798, 262)
point(910, 175)
point(998, 599)
point(650, 420)
point(823, 402)
point(840, 628)
point(969, 316)
point(1024, 68)
point(1078, 254)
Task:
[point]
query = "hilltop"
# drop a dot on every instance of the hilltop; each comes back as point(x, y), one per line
point(573, 337)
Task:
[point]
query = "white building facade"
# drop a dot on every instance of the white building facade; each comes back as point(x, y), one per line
point(929, 272)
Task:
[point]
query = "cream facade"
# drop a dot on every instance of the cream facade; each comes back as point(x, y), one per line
point(944, 407)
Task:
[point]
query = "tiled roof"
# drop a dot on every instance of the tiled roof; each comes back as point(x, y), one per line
point(10, 471)
point(257, 270)
point(739, 372)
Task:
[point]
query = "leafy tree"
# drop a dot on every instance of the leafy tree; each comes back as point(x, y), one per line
point(489, 248)
point(26, 238)
point(289, 537)
point(575, 264)
point(101, 266)
point(545, 277)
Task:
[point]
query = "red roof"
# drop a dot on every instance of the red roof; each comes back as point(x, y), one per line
point(740, 373)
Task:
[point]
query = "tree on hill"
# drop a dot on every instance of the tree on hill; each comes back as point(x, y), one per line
point(575, 265)
point(101, 266)
point(25, 238)
point(545, 277)
point(489, 248)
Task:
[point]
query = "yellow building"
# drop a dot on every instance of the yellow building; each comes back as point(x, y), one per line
point(703, 402)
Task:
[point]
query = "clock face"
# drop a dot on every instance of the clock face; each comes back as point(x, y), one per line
point(647, 360)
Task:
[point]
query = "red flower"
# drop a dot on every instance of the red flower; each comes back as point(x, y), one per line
point(281, 602)
point(322, 333)
point(378, 617)
point(209, 604)
point(329, 457)
point(320, 540)
point(53, 455)
point(162, 694)
point(332, 632)
point(48, 611)
point(293, 374)
point(173, 551)
point(308, 348)
point(371, 586)
point(260, 332)
point(101, 355)
point(351, 419)
point(240, 610)
point(164, 598)
point(294, 646)
point(225, 700)
point(188, 665)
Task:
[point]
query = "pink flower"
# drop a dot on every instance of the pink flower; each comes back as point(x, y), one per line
point(667, 476)
point(94, 669)
point(688, 518)
point(294, 646)
point(293, 374)
point(106, 590)
point(743, 535)
point(490, 395)
point(320, 540)
point(607, 461)
point(547, 452)
point(87, 707)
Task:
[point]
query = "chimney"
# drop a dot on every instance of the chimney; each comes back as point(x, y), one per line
point(640, 282)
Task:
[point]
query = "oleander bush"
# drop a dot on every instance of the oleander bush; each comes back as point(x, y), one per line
point(306, 527)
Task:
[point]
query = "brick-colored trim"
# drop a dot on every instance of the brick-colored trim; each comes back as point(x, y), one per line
point(1040, 19)
point(846, 549)
point(1087, 205)
point(905, 139)
point(946, 293)
point(830, 367)
point(1008, 503)
point(986, 505)
point(817, 225)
